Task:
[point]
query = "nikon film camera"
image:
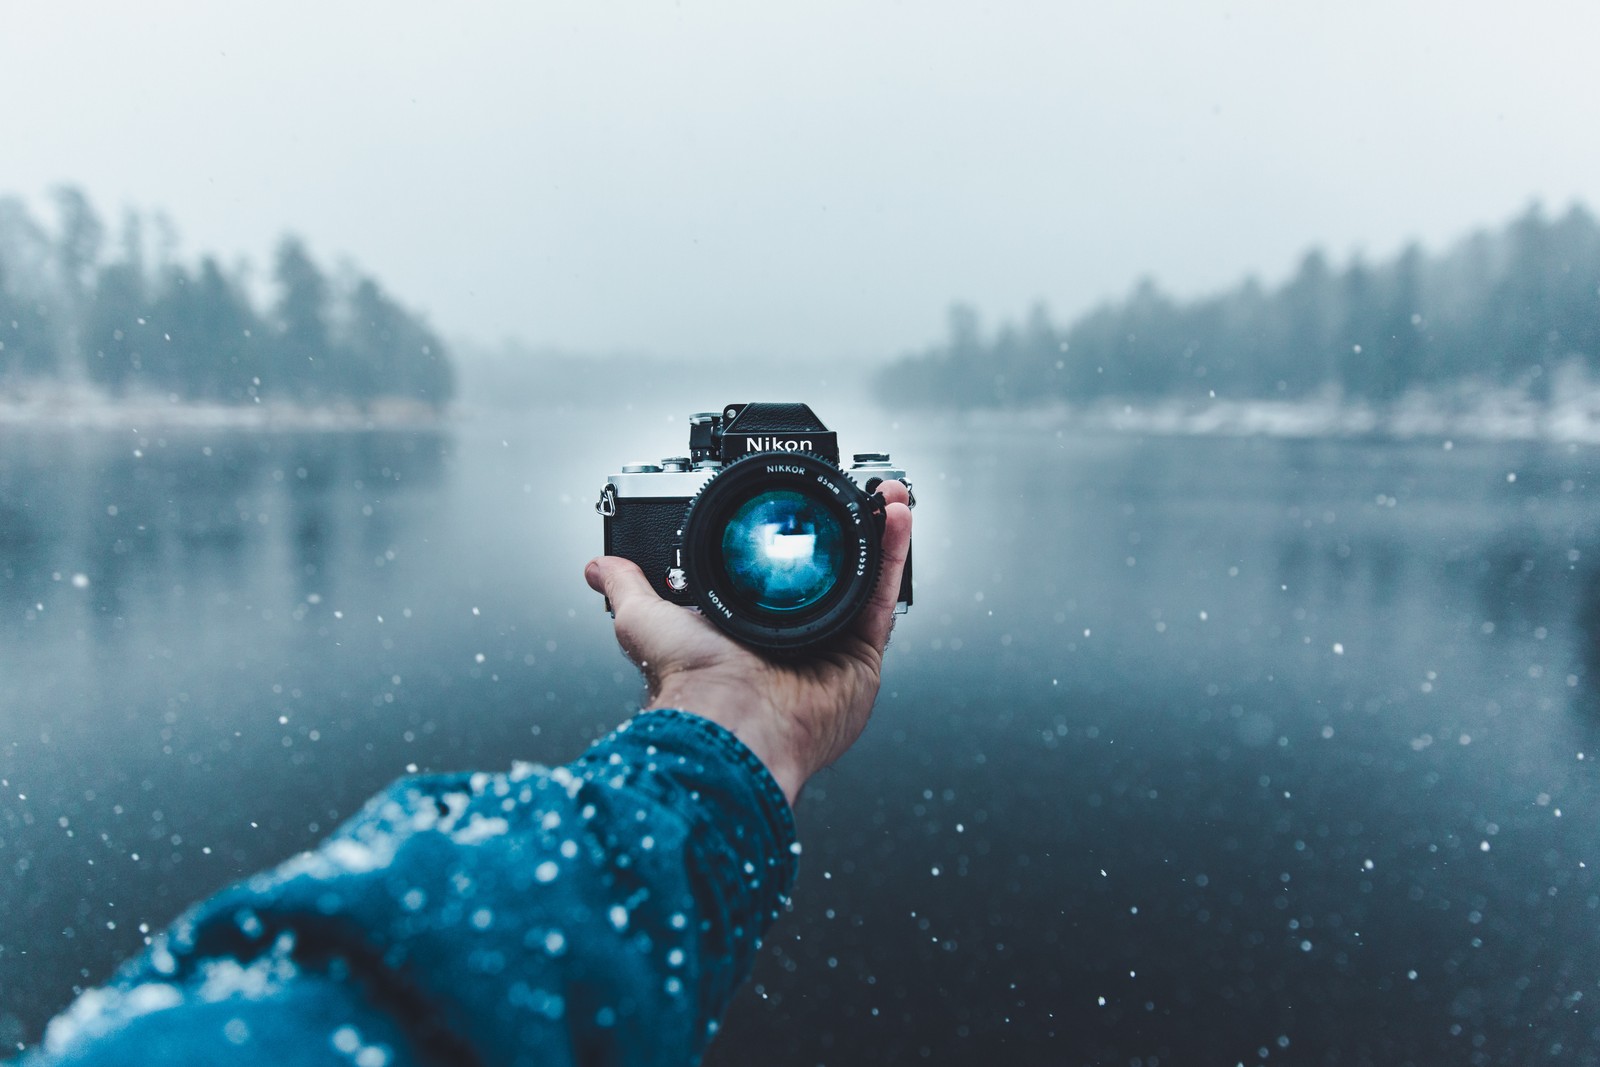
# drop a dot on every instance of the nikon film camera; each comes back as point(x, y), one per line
point(759, 526)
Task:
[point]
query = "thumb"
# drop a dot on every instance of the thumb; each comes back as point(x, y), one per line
point(620, 580)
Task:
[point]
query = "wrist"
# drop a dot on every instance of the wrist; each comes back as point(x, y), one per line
point(745, 710)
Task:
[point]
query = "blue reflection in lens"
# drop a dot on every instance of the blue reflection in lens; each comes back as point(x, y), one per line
point(783, 551)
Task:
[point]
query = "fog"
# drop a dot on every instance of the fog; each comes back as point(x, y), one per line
point(819, 181)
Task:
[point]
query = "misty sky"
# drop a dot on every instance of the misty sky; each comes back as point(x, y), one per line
point(810, 179)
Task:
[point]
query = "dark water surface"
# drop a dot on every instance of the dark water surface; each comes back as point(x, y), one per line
point(1191, 751)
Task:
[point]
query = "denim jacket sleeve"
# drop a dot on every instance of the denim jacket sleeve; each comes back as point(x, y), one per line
point(600, 913)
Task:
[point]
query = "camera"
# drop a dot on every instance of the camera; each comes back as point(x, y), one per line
point(760, 526)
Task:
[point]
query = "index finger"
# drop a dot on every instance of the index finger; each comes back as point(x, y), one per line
point(877, 618)
point(895, 492)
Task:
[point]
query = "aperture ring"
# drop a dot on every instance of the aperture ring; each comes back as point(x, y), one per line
point(820, 481)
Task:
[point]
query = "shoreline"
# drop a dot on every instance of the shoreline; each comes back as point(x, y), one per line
point(84, 408)
point(1487, 415)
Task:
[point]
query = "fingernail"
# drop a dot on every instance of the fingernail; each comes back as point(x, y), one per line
point(591, 570)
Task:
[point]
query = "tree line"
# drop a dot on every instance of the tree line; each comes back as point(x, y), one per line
point(1501, 307)
point(136, 319)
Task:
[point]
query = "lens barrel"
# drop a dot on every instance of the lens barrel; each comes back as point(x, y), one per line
point(782, 549)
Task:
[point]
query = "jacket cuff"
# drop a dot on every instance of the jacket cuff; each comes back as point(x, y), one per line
point(719, 785)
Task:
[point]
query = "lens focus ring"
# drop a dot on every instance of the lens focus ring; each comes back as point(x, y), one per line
point(782, 549)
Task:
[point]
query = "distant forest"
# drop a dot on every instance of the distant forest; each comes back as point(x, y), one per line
point(138, 320)
point(1502, 308)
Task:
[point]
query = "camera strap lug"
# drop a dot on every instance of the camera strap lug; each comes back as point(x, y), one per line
point(607, 504)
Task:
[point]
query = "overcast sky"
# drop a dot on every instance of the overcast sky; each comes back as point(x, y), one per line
point(790, 180)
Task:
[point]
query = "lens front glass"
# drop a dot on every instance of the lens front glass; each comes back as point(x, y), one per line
point(783, 551)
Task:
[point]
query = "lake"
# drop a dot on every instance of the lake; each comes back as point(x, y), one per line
point(1192, 749)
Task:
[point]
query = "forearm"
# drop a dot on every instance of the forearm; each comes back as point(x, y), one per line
point(603, 912)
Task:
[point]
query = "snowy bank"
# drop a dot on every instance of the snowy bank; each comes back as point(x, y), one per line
point(1475, 412)
point(57, 406)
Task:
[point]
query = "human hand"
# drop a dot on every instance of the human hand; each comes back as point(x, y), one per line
point(798, 713)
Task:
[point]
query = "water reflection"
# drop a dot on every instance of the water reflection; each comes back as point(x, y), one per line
point(1587, 624)
point(147, 516)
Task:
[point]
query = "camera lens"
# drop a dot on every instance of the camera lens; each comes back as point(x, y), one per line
point(783, 551)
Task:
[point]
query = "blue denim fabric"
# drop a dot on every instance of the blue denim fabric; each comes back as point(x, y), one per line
point(598, 913)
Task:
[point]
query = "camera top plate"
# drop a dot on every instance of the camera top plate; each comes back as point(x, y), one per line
point(784, 427)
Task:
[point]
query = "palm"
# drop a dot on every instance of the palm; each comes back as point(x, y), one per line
point(798, 713)
point(828, 695)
